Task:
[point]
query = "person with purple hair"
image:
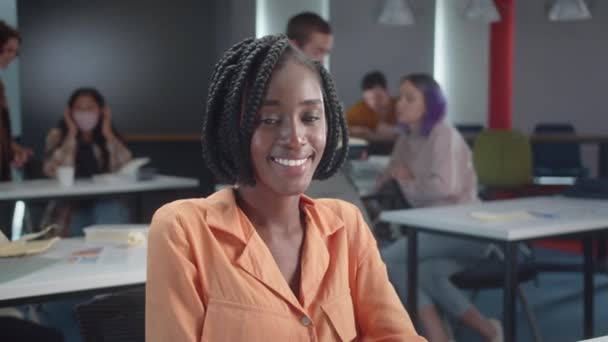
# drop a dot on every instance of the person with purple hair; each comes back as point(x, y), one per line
point(432, 165)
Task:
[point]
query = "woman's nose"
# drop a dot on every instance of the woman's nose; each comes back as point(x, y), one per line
point(292, 134)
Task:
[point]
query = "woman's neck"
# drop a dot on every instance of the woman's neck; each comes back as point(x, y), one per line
point(267, 211)
point(415, 128)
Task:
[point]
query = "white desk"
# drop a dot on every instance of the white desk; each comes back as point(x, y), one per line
point(599, 339)
point(555, 216)
point(50, 188)
point(365, 172)
point(53, 273)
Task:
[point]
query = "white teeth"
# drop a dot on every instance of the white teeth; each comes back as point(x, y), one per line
point(290, 162)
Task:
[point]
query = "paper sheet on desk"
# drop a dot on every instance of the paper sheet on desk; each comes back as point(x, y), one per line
point(493, 217)
point(27, 244)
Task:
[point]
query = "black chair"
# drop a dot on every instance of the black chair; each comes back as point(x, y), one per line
point(469, 131)
point(118, 317)
point(17, 329)
point(557, 159)
point(489, 274)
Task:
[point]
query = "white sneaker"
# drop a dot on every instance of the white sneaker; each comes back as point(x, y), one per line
point(500, 335)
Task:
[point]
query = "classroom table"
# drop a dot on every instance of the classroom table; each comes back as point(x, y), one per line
point(72, 267)
point(507, 223)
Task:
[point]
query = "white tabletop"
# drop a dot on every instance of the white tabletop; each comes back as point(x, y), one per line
point(598, 339)
point(50, 188)
point(549, 216)
point(59, 271)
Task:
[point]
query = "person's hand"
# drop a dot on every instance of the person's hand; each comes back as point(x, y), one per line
point(106, 128)
point(20, 155)
point(401, 172)
point(69, 123)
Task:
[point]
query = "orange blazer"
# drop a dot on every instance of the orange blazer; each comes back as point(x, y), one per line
point(212, 278)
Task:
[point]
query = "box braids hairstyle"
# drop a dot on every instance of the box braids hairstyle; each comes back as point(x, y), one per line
point(238, 86)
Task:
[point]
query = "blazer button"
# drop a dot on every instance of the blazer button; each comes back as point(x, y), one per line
point(305, 321)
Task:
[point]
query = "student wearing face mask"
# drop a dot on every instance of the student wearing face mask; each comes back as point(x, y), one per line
point(86, 139)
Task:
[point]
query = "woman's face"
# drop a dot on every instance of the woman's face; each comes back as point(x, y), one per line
point(410, 106)
point(8, 52)
point(290, 134)
point(86, 113)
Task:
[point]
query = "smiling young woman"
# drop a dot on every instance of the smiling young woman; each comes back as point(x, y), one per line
point(262, 261)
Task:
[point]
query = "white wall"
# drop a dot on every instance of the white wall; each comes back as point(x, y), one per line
point(362, 45)
point(10, 76)
point(461, 62)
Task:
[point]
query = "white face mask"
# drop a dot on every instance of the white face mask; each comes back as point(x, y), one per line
point(86, 121)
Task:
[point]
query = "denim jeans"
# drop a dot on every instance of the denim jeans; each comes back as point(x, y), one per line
point(439, 257)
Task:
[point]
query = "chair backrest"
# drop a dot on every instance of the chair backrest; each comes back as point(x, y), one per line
point(469, 128)
point(502, 158)
point(118, 317)
point(556, 158)
point(469, 131)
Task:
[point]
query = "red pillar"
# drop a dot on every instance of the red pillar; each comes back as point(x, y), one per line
point(500, 104)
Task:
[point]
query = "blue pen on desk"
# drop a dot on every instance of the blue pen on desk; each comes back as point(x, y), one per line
point(542, 215)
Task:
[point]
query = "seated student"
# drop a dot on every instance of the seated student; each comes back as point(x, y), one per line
point(261, 261)
point(373, 116)
point(432, 165)
point(86, 139)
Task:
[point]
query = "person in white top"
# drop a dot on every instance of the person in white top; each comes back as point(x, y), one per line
point(432, 165)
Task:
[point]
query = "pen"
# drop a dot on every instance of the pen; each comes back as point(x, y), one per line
point(542, 215)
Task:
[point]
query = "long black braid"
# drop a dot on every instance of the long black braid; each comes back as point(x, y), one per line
point(238, 85)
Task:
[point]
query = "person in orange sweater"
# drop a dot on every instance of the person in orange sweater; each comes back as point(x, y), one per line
point(261, 261)
point(374, 116)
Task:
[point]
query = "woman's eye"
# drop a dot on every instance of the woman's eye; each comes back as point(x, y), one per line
point(268, 121)
point(309, 118)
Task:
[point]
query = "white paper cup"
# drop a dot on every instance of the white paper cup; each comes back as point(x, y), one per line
point(65, 175)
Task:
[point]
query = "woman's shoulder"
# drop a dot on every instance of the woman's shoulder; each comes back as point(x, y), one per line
point(446, 132)
point(443, 128)
point(336, 205)
point(334, 208)
point(179, 213)
point(195, 211)
point(338, 214)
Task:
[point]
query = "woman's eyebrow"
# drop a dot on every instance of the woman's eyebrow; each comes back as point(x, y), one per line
point(311, 102)
point(308, 102)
